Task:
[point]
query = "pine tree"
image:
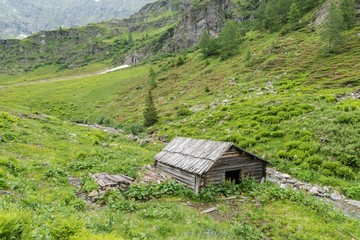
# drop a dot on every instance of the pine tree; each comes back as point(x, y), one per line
point(152, 78)
point(150, 114)
point(333, 26)
point(229, 39)
point(130, 38)
point(348, 12)
point(207, 45)
point(294, 16)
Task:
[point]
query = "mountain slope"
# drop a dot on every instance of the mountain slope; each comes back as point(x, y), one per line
point(20, 18)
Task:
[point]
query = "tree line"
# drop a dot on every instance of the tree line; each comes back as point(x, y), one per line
point(285, 15)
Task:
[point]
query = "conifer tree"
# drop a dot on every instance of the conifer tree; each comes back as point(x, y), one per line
point(150, 114)
point(348, 12)
point(208, 46)
point(130, 38)
point(333, 26)
point(229, 39)
point(294, 16)
point(152, 78)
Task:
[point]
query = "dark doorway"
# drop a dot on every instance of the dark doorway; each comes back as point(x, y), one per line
point(233, 176)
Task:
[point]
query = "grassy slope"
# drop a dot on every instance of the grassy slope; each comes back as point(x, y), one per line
point(38, 153)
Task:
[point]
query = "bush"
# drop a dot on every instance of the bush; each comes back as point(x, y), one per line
point(246, 232)
point(66, 228)
point(151, 190)
point(277, 134)
point(352, 192)
point(88, 185)
point(183, 112)
point(162, 211)
point(345, 172)
point(54, 172)
point(135, 128)
point(314, 161)
point(14, 225)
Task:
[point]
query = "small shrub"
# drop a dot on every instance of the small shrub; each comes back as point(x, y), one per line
point(162, 211)
point(345, 172)
point(66, 228)
point(135, 128)
point(88, 185)
point(14, 225)
point(246, 232)
point(183, 112)
point(277, 134)
point(314, 161)
point(352, 192)
point(54, 172)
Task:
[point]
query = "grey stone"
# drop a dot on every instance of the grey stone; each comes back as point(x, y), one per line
point(336, 196)
point(226, 101)
point(314, 191)
point(291, 181)
point(353, 203)
point(94, 193)
point(286, 176)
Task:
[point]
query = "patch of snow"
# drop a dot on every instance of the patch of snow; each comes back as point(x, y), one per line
point(117, 68)
point(22, 36)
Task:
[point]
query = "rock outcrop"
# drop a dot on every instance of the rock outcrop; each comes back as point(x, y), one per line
point(210, 16)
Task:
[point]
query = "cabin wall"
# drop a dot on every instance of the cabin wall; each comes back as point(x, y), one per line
point(235, 160)
point(179, 175)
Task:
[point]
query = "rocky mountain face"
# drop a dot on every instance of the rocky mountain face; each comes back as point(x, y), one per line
point(210, 16)
point(20, 18)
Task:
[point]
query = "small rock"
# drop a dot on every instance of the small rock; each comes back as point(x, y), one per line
point(336, 196)
point(286, 176)
point(308, 187)
point(226, 101)
point(93, 194)
point(314, 191)
point(353, 203)
point(291, 181)
point(132, 137)
point(4, 193)
point(321, 190)
point(283, 180)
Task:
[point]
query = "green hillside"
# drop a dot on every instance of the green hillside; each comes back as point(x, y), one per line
point(275, 95)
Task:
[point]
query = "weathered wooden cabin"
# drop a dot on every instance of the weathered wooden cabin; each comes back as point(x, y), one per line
point(198, 162)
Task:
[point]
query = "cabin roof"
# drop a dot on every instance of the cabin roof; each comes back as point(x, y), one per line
point(194, 155)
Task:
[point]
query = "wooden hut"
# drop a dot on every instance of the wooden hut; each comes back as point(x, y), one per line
point(198, 162)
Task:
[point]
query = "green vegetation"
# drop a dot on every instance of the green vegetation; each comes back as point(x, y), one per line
point(334, 24)
point(152, 78)
point(270, 93)
point(150, 114)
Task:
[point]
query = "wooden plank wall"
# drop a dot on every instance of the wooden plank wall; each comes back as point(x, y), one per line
point(234, 160)
point(178, 174)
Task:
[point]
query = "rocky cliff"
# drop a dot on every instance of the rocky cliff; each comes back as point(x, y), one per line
point(208, 15)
